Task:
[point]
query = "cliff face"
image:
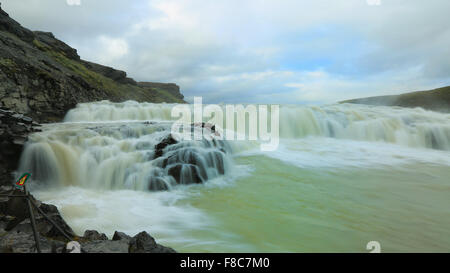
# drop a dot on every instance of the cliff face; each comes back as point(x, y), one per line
point(43, 77)
point(434, 100)
point(14, 129)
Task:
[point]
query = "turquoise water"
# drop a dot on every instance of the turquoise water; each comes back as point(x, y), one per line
point(283, 208)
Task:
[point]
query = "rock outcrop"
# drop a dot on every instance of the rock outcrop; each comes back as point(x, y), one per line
point(16, 235)
point(144, 243)
point(171, 88)
point(189, 162)
point(43, 77)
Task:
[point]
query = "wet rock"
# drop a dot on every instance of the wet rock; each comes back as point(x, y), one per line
point(105, 246)
point(14, 131)
point(93, 235)
point(159, 148)
point(185, 174)
point(157, 184)
point(144, 243)
point(46, 208)
point(188, 162)
point(216, 160)
point(23, 242)
point(120, 236)
point(206, 125)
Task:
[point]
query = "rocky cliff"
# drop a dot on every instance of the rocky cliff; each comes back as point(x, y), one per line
point(14, 131)
point(43, 77)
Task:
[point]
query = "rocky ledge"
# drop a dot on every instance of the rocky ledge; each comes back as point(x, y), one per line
point(16, 235)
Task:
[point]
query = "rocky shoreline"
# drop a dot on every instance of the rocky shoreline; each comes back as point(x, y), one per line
point(16, 235)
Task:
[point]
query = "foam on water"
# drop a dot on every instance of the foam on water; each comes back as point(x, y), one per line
point(320, 152)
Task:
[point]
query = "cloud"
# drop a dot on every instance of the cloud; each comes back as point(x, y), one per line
point(271, 51)
point(113, 49)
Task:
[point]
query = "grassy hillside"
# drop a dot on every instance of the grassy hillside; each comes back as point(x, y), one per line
point(435, 100)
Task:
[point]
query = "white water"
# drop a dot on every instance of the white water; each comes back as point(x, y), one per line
point(97, 167)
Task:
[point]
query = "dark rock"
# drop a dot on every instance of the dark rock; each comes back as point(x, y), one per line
point(104, 246)
point(46, 208)
point(93, 235)
point(17, 207)
point(23, 242)
point(120, 236)
point(9, 25)
point(51, 231)
point(157, 184)
point(14, 131)
point(159, 148)
point(217, 158)
point(20, 238)
point(144, 243)
point(206, 125)
point(185, 174)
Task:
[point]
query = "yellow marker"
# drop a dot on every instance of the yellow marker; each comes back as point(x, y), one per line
point(22, 180)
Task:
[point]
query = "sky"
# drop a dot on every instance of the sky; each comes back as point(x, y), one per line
point(258, 51)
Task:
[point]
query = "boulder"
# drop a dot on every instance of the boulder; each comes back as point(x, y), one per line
point(159, 148)
point(93, 235)
point(185, 174)
point(157, 184)
point(23, 242)
point(120, 236)
point(144, 243)
point(105, 246)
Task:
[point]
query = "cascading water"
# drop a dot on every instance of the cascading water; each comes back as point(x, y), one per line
point(121, 156)
point(343, 175)
point(403, 126)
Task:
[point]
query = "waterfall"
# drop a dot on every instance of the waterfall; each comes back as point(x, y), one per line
point(121, 156)
point(404, 126)
point(113, 145)
point(408, 127)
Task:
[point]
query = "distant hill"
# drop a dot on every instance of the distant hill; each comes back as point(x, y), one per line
point(43, 77)
point(435, 100)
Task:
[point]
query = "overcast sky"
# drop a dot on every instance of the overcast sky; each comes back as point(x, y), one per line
point(258, 51)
